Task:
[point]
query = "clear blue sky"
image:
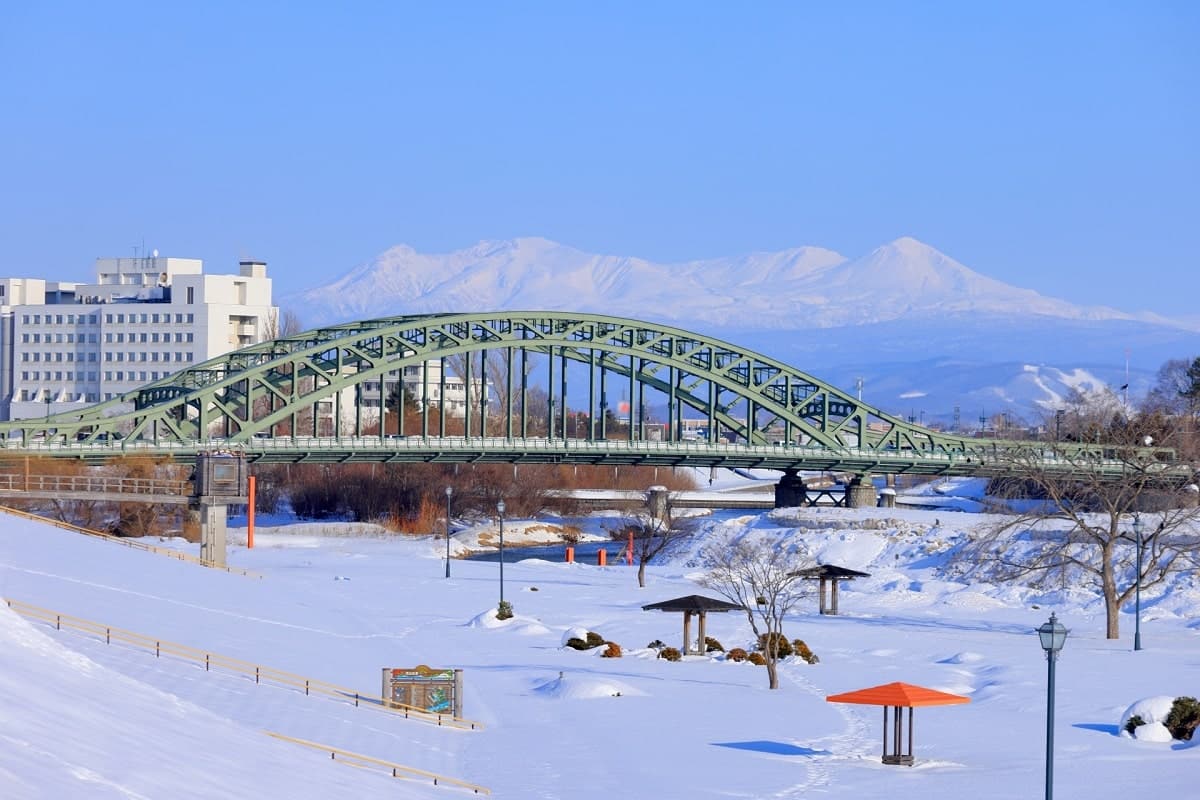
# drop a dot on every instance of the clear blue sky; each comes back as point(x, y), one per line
point(1054, 146)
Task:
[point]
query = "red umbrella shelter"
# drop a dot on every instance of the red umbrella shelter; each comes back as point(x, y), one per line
point(898, 696)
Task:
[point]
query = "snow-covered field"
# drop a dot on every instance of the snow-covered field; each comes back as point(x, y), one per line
point(81, 719)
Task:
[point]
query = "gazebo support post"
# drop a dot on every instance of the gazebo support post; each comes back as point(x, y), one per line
point(911, 710)
point(700, 641)
point(833, 604)
point(822, 595)
point(687, 632)
point(885, 727)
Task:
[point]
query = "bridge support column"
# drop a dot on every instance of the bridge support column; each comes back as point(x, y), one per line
point(657, 498)
point(791, 492)
point(221, 479)
point(860, 492)
point(212, 518)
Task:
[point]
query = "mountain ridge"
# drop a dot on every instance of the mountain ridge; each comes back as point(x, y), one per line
point(797, 288)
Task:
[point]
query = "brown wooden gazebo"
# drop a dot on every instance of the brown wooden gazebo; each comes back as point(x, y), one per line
point(899, 696)
point(830, 573)
point(693, 604)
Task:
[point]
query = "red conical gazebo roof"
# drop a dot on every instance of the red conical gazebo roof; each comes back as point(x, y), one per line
point(898, 694)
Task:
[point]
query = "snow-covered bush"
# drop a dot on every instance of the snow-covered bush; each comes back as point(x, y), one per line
point(574, 633)
point(670, 654)
point(736, 654)
point(581, 639)
point(1162, 718)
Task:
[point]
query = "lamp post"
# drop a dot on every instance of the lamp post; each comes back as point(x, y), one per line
point(1053, 636)
point(1137, 592)
point(500, 511)
point(449, 491)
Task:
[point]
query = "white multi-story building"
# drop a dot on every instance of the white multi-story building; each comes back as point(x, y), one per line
point(68, 345)
point(414, 377)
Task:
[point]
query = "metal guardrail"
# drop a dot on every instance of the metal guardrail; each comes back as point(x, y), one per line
point(988, 457)
point(260, 673)
point(127, 542)
point(397, 770)
point(106, 484)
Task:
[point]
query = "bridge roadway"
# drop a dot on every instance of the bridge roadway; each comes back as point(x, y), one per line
point(991, 461)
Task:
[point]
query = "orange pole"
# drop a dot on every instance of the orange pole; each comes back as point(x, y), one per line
point(602, 558)
point(250, 517)
point(570, 555)
point(629, 551)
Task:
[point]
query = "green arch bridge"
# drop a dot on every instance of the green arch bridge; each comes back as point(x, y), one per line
point(551, 379)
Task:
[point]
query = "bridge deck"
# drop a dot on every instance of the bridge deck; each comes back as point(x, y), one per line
point(420, 449)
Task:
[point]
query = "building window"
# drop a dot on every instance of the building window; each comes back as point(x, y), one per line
point(191, 296)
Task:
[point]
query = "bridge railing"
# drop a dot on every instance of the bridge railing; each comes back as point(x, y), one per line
point(987, 457)
point(99, 484)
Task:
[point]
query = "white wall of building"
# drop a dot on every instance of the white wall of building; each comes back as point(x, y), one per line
point(65, 346)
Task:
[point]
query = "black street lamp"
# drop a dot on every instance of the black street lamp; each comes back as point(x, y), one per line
point(500, 511)
point(1053, 636)
point(1138, 527)
point(449, 491)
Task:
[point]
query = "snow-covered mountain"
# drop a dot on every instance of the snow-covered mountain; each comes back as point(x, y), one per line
point(925, 332)
point(801, 288)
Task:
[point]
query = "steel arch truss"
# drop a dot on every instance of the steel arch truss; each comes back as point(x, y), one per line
point(742, 396)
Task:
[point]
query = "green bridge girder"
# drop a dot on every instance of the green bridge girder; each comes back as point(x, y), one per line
point(267, 400)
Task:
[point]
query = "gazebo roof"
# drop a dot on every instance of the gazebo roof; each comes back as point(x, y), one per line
point(693, 602)
point(830, 571)
point(898, 694)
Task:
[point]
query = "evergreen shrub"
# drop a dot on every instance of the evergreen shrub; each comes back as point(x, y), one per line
point(612, 651)
point(1183, 719)
point(736, 654)
point(1134, 722)
point(670, 654)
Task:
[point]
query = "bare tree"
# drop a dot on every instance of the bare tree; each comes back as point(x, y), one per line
point(1077, 524)
point(760, 576)
point(652, 532)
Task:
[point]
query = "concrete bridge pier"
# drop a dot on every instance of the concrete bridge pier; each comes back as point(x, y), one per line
point(658, 502)
point(221, 479)
point(860, 492)
point(212, 519)
point(791, 492)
